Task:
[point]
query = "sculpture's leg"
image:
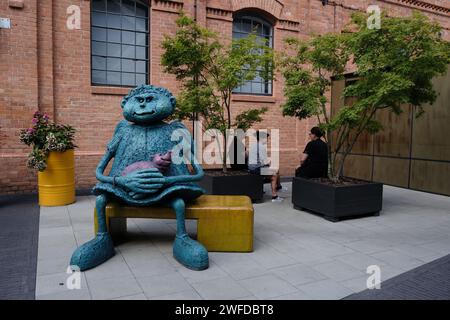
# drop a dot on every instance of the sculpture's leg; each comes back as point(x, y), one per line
point(99, 249)
point(190, 253)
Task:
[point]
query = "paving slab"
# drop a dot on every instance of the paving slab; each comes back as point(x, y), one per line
point(296, 255)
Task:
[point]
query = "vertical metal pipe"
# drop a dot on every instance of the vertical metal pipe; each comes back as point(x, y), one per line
point(194, 115)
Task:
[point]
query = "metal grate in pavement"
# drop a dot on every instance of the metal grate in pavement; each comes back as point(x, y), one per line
point(19, 230)
point(428, 282)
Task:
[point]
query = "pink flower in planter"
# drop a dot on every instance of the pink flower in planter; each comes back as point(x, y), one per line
point(34, 121)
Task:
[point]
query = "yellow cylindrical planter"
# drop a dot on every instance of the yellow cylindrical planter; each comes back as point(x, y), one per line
point(57, 182)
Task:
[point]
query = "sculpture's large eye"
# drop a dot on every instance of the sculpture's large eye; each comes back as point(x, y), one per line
point(148, 99)
point(140, 99)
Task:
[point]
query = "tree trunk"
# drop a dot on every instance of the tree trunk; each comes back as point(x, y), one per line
point(341, 166)
point(330, 158)
point(225, 150)
point(224, 154)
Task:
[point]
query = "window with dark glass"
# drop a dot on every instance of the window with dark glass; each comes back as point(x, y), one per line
point(119, 42)
point(243, 26)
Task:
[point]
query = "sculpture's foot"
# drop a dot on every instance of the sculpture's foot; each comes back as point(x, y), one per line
point(93, 253)
point(190, 253)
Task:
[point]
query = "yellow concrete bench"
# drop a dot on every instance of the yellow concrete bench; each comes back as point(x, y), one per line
point(224, 223)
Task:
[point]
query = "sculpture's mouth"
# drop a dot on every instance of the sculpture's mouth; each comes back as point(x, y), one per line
point(145, 113)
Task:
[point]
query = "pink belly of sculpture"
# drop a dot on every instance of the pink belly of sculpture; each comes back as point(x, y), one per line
point(137, 166)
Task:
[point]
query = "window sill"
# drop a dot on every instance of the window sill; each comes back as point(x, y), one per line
point(118, 91)
point(253, 98)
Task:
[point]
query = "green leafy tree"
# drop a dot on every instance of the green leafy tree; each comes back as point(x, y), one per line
point(395, 66)
point(209, 71)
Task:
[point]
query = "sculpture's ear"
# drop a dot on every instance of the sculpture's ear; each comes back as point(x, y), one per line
point(173, 101)
point(124, 102)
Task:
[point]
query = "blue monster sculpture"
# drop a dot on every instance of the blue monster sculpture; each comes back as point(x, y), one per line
point(140, 137)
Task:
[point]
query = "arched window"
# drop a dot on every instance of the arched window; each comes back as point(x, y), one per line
point(243, 25)
point(119, 42)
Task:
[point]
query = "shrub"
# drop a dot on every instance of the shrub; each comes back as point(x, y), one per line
point(45, 136)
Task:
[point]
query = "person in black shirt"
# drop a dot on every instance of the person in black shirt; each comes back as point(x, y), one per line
point(314, 163)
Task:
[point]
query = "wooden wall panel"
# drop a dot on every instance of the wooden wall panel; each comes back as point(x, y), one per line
point(395, 138)
point(336, 102)
point(359, 167)
point(430, 176)
point(431, 132)
point(364, 144)
point(336, 95)
point(391, 171)
point(422, 139)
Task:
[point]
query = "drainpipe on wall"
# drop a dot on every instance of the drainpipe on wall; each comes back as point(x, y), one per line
point(194, 115)
point(195, 10)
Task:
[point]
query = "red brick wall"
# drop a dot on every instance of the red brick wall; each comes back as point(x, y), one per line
point(18, 93)
point(45, 66)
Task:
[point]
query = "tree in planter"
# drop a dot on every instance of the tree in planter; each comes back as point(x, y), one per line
point(209, 71)
point(394, 64)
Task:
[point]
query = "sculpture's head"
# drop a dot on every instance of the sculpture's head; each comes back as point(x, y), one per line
point(147, 104)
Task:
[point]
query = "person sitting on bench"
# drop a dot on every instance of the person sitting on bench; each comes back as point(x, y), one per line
point(314, 162)
point(257, 160)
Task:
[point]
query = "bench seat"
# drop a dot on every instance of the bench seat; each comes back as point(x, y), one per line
point(224, 223)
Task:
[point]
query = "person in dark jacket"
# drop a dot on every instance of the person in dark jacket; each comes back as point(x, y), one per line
point(314, 162)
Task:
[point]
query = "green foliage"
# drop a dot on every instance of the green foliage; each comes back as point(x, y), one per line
point(44, 137)
point(397, 63)
point(246, 119)
point(209, 71)
point(395, 66)
point(307, 73)
point(190, 51)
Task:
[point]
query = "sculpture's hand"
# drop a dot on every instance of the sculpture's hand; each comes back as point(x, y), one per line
point(142, 181)
point(136, 196)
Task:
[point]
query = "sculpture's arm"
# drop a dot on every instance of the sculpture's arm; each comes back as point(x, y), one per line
point(109, 154)
point(102, 166)
point(142, 181)
point(198, 171)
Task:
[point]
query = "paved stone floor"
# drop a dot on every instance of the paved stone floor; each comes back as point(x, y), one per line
point(297, 255)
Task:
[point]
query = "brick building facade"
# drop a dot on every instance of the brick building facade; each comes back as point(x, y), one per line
point(47, 66)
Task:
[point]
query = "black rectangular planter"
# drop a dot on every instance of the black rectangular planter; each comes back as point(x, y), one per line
point(337, 202)
point(245, 184)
